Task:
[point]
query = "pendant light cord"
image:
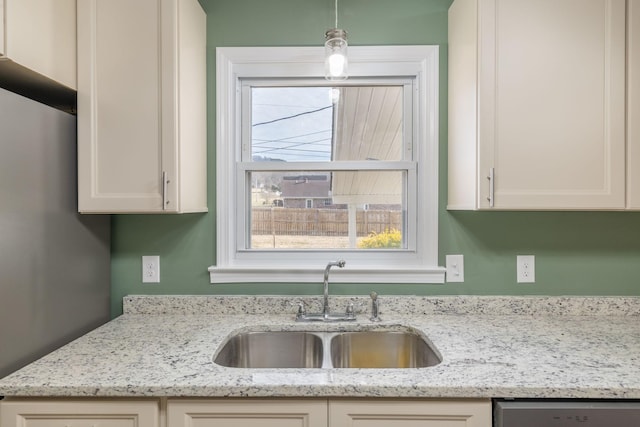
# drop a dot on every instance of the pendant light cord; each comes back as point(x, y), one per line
point(336, 7)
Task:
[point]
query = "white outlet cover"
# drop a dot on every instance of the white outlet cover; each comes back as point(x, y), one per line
point(455, 268)
point(526, 268)
point(151, 269)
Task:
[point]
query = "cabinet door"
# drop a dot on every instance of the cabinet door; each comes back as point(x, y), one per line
point(542, 104)
point(141, 106)
point(53, 413)
point(633, 105)
point(407, 413)
point(552, 103)
point(119, 106)
point(243, 412)
point(41, 36)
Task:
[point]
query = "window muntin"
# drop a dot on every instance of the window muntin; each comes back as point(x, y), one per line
point(419, 161)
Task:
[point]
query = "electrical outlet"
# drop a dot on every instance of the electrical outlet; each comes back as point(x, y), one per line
point(455, 268)
point(526, 268)
point(151, 269)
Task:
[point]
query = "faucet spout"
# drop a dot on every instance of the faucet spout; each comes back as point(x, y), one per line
point(325, 305)
point(326, 315)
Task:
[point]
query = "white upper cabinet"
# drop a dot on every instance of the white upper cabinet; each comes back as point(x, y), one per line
point(40, 35)
point(141, 106)
point(537, 104)
point(633, 105)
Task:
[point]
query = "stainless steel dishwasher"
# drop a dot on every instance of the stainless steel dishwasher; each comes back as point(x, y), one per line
point(563, 413)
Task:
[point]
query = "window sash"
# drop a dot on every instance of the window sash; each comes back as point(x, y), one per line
point(410, 200)
point(409, 104)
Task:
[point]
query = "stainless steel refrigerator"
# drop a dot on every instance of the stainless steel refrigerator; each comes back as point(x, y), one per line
point(54, 263)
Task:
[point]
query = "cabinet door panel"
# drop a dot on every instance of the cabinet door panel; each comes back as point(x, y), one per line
point(241, 413)
point(425, 413)
point(119, 105)
point(53, 413)
point(553, 104)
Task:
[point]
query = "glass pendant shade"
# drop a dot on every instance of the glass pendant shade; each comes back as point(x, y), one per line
point(335, 55)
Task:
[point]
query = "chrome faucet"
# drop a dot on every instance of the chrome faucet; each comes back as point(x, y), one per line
point(326, 315)
point(325, 305)
point(375, 307)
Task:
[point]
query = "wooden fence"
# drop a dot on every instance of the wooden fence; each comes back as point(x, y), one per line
point(320, 222)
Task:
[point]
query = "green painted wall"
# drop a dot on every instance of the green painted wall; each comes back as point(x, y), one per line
point(577, 253)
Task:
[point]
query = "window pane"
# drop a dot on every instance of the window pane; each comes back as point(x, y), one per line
point(327, 123)
point(291, 124)
point(327, 210)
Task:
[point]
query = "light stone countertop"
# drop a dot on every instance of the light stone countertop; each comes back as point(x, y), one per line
point(491, 347)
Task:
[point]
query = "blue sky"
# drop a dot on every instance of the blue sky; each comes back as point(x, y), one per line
point(292, 123)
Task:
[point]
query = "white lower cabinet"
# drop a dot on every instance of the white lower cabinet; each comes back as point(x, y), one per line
point(247, 412)
point(329, 413)
point(410, 413)
point(241, 412)
point(79, 413)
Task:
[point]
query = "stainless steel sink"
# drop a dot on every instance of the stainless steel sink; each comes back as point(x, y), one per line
point(271, 350)
point(294, 349)
point(381, 350)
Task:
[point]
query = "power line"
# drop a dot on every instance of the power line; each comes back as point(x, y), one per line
point(261, 142)
point(291, 137)
point(293, 116)
point(290, 147)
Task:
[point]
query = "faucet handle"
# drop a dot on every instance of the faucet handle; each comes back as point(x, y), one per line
point(374, 307)
point(350, 312)
point(302, 311)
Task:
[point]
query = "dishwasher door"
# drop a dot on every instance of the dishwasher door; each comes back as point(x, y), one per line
point(564, 413)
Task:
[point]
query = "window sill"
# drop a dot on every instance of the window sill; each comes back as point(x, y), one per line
point(432, 275)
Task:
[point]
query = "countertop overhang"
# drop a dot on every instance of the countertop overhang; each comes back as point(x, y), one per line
point(520, 347)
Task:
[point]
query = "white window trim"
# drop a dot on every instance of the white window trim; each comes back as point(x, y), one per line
point(233, 64)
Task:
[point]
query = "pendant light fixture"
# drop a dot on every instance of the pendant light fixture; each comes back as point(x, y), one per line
point(335, 52)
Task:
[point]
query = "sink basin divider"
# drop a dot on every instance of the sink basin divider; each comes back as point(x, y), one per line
point(326, 337)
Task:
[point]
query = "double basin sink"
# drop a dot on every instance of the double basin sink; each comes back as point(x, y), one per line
point(309, 349)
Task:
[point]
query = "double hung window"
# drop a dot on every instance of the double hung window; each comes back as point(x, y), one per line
point(309, 171)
